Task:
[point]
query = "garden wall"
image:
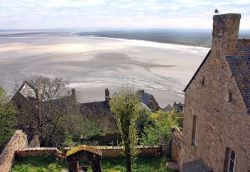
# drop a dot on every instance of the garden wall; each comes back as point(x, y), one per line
point(17, 142)
point(116, 151)
point(38, 151)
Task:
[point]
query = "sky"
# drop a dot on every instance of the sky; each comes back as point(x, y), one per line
point(117, 14)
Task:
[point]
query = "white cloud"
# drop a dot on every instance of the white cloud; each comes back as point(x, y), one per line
point(116, 13)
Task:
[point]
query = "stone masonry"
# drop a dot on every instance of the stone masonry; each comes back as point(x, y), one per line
point(214, 97)
point(18, 141)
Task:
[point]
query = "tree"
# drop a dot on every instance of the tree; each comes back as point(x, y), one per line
point(7, 116)
point(160, 128)
point(43, 103)
point(126, 107)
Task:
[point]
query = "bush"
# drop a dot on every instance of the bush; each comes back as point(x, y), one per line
point(160, 129)
point(7, 119)
point(39, 164)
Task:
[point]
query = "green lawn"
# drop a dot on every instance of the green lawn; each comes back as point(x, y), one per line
point(39, 164)
point(140, 165)
point(50, 164)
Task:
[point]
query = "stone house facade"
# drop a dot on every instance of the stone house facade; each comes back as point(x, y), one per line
point(217, 103)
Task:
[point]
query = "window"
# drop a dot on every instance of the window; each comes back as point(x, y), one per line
point(203, 81)
point(230, 161)
point(230, 96)
point(194, 131)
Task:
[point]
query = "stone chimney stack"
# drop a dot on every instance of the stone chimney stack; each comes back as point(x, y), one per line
point(73, 94)
point(225, 34)
point(107, 98)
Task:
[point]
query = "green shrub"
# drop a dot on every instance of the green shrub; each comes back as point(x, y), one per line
point(7, 119)
point(47, 163)
point(160, 128)
point(54, 168)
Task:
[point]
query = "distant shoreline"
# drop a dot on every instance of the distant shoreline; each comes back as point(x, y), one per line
point(189, 37)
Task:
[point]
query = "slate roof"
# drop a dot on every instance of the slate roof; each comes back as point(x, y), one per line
point(147, 99)
point(240, 66)
point(95, 108)
point(168, 108)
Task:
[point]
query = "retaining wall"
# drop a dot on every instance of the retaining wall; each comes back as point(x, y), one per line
point(17, 142)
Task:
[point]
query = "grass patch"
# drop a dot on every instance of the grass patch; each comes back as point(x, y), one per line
point(51, 164)
point(39, 164)
point(141, 164)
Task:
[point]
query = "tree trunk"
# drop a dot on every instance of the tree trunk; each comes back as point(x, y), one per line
point(127, 146)
point(128, 159)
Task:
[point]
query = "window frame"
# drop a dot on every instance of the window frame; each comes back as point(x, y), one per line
point(194, 127)
point(230, 161)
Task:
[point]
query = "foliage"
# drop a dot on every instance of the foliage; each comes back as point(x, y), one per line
point(160, 129)
point(49, 102)
point(39, 164)
point(141, 164)
point(7, 118)
point(179, 116)
point(126, 107)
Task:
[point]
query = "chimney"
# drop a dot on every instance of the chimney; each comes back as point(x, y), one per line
point(225, 34)
point(107, 95)
point(73, 94)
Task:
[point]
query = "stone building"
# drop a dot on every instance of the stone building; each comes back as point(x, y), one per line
point(148, 100)
point(30, 101)
point(217, 104)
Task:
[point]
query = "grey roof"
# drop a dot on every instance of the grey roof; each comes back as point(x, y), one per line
point(146, 98)
point(168, 108)
point(95, 108)
point(240, 66)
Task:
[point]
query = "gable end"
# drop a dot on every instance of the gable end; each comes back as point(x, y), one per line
point(203, 62)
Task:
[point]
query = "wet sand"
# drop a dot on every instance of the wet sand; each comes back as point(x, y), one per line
point(91, 64)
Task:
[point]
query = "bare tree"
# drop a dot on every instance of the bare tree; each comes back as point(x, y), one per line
point(42, 104)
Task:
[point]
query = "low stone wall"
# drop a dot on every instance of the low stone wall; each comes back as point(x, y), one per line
point(38, 151)
point(17, 142)
point(176, 145)
point(116, 151)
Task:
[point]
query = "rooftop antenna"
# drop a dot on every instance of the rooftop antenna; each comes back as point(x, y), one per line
point(216, 11)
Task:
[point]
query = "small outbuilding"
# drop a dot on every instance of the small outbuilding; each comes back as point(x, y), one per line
point(86, 154)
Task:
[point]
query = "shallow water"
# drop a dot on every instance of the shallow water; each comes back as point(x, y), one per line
point(91, 64)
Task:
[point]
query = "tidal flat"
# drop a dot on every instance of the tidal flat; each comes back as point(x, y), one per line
point(90, 64)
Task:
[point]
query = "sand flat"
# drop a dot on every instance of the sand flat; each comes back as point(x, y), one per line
point(91, 64)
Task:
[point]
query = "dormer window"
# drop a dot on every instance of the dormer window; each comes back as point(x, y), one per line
point(230, 96)
point(203, 81)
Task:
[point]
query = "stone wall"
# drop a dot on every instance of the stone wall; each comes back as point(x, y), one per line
point(176, 140)
point(220, 124)
point(116, 151)
point(18, 141)
point(38, 151)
